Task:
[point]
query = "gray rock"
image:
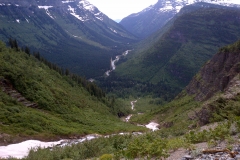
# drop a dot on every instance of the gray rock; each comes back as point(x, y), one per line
point(188, 157)
point(237, 157)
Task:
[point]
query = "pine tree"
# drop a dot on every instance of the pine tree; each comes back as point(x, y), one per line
point(27, 50)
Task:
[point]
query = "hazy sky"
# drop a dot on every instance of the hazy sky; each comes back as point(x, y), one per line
point(118, 9)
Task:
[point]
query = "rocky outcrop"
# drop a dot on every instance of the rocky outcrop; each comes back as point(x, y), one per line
point(9, 89)
point(216, 74)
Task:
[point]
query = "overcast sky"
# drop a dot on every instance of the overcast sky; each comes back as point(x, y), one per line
point(118, 9)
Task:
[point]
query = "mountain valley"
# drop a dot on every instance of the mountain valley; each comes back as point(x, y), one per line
point(69, 33)
point(174, 57)
point(176, 68)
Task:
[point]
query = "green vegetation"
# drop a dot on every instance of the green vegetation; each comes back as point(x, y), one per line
point(150, 145)
point(65, 106)
point(84, 48)
point(231, 48)
point(168, 65)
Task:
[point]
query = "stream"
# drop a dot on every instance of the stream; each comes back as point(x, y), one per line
point(113, 66)
point(20, 150)
point(152, 125)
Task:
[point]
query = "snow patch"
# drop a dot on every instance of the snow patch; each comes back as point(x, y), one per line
point(113, 30)
point(47, 11)
point(17, 20)
point(86, 5)
point(72, 12)
point(21, 150)
point(27, 20)
point(153, 126)
point(45, 7)
point(166, 8)
point(100, 18)
point(67, 1)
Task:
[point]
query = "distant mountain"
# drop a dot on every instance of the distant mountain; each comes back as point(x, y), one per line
point(188, 41)
point(154, 17)
point(73, 34)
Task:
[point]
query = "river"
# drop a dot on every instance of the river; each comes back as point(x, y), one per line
point(113, 62)
point(20, 150)
point(152, 125)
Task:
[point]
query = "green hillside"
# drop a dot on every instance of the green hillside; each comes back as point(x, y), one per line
point(65, 106)
point(186, 123)
point(64, 39)
point(187, 43)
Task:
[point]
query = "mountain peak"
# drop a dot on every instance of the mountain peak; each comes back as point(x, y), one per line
point(85, 4)
point(154, 17)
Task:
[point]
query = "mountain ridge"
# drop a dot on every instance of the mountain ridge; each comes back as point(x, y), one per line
point(187, 43)
point(68, 34)
point(142, 26)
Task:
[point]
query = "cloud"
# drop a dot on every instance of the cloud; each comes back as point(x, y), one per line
point(118, 9)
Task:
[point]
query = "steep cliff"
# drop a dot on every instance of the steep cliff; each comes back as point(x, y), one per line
point(217, 74)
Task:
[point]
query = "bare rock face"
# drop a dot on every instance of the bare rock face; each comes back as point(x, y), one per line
point(216, 74)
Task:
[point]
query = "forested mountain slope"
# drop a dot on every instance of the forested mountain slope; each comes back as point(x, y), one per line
point(211, 96)
point(73, 34)
point(188, 42)
point(42, 101)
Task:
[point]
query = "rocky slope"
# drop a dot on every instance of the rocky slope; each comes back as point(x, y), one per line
point(218, 75)
point(154, 17)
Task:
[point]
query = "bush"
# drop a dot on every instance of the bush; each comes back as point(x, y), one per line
point(106, 157)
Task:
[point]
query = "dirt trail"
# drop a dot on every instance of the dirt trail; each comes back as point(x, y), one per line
point(8, 88)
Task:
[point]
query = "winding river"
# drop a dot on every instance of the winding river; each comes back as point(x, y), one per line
point(20, 150)
point(113, 66)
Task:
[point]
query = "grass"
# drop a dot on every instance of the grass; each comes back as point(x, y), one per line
point(149, 145)
point(177, 55)
point(65, 108)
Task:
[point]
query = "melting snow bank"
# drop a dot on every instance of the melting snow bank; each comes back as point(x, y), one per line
point(153, 126)
point(21, 150)
point(113, 66)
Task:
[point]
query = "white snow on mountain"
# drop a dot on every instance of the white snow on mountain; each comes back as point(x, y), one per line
point(176, 5)
point(45, 7)
point(67, 1)
point(113, 30)
point(27, 20)
point(72, 12)
point(47, 11)
point(86, 5)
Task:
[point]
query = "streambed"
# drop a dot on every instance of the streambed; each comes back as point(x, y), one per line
point(113, 66)
point(20, 150)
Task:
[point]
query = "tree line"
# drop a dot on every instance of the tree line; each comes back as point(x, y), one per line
point(91, 87)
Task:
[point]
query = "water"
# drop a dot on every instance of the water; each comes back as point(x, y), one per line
point(113, 66)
